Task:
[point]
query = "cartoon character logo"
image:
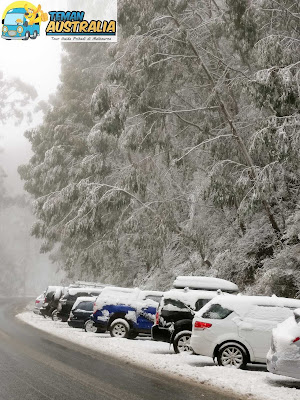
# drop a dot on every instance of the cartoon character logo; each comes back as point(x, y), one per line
point(22, 20)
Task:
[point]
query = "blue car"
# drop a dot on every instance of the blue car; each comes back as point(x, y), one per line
point(15, 26)
point(123, 312)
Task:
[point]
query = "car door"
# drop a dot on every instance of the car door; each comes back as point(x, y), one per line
point(146, 314)
point(83, 310)
point(256, 327)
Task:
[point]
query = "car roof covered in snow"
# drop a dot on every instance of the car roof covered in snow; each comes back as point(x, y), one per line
point(241, 304)
point(53, 289)
point(119, 295)
point(205, 283)
point(74, 291)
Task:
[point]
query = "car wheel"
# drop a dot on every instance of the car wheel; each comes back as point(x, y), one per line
point(182, 342)
point(119, 328)
point(27, 36)
point(232, 355)
point(34, 36)
point(90, 327)
point(54, 316)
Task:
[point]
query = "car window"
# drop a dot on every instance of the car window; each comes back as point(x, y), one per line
point(200, 303)
point(175, 305)
point(82, 294)
point(49, 296)
point(85, 305)
point(216, 311)
point(95, 293)
point(154, 298)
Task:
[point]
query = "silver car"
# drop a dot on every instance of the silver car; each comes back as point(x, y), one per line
point(284, 355)
point(39, 301)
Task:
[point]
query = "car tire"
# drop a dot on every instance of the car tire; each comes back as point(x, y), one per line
point(27, 36)
point(90, 327)
point(54, 316)
point(232, 355)
point(181, 342)
point(34, 36)
point(119, 328)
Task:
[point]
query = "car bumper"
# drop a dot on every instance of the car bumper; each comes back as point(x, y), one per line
point(160, 334)
point(201, 345)
point(278, 365)
point(76, 324)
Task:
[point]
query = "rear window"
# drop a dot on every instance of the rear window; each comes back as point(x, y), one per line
point(200, 303)
point(175, 305)
point(154, 298)
point(216, 311)
point(82, 294)
point(49, 296)
point(85, 306)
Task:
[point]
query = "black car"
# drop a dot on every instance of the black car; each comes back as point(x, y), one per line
point(52, 296)
point(81, 311)
point(67, 301)
point(173, 321)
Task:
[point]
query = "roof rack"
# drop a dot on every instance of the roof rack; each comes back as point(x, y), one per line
point(79, 284)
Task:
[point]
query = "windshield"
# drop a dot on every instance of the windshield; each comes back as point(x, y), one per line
point(11, 19)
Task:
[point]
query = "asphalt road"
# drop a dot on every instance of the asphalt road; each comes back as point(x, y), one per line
point(35, 365)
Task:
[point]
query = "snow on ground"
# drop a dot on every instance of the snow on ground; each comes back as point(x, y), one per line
point(255, 382)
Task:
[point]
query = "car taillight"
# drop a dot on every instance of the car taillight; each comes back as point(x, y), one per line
point(157, 318)
point(94, 308)
point(201, 325)
point(296, 340)
point(37, 301)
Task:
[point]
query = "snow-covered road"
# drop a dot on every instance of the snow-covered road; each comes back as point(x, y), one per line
point(254, 382)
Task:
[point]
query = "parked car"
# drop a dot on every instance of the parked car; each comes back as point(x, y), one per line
point(52, 296)
point(237, 330)
point(81, 311)
point(205, 283)
point(173, 321)
point(67, 301)
point(283, 357)
point(39, 301)
point(125, 312)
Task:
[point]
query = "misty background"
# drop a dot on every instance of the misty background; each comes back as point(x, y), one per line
point(19, 252)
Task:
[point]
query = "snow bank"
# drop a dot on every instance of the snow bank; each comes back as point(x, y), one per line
point(253, 383)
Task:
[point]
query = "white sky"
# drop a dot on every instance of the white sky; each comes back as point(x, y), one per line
point(37, 62)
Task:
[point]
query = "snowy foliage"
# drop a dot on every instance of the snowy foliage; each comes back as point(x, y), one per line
point(176, 151)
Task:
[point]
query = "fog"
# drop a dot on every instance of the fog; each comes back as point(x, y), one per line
point(23, 269)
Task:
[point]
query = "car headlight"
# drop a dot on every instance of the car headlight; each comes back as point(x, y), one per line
point(20, 29)
point(4, 29)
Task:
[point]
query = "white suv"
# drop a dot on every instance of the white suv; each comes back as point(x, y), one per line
point(238, 329)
